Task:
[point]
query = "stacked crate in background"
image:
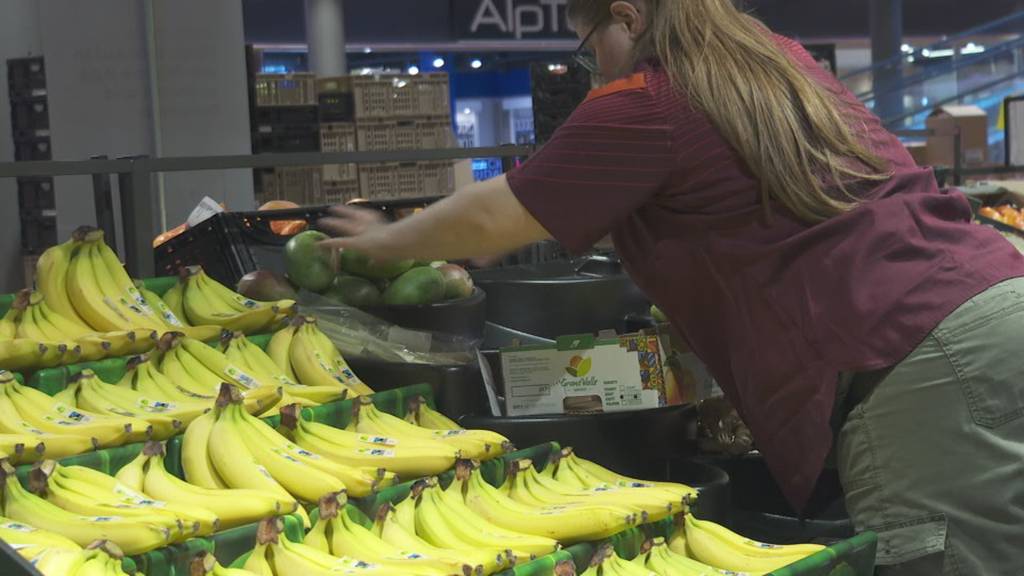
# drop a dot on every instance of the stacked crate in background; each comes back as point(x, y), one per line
point(403, 113)
point(30, 127)
point(285, 118)
point(339, 182)
point(558, 88)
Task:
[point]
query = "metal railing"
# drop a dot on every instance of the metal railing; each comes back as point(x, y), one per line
point(137, 191)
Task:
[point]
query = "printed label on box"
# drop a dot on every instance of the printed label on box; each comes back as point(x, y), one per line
point(582, 375)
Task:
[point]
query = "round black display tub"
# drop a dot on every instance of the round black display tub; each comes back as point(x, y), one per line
point(636, 443)
point(711, 482)
point(553, 299)
point(761, 512)
point(458, 388)
point(464, 317)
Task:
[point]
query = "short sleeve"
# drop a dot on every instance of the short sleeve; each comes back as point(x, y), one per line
point(610, 157)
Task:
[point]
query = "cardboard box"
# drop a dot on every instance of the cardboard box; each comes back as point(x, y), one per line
point(919, 152)
point(971, 122)
point(582, 374)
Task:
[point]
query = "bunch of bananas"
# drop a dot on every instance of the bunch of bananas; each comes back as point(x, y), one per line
point(307, 356)
point(201, 300)
point(566, 523)
point(249, 357)
point(230, 448)
point(100, 558)
point(275, 555)
point(91, 492)
point(234, 507)
point(86, 309)
point(571, 470)
point(407, 457)
point(648, 503)
point(63, 428)
point(336, 533)
point(205, 564)
point(396, 526)
point(134, 533)
point(717, 546)
point(197, 371)
point(607, 563)
point(475, 444)
point(421, 414)
point(657, 557)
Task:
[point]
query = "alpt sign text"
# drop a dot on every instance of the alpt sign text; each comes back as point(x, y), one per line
point(519, 19)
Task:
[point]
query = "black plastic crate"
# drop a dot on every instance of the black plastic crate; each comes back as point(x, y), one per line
point(337, 107)
point(231, 244)
point(38, 233)
point(26, 76)
point(30, 114)
point(286, 138)
point(35, 194)
point(271, 115)
point(30, 148)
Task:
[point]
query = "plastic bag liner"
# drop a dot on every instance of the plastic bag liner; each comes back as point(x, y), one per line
point(361, 335)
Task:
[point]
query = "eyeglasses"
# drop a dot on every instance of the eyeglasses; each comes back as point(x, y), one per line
point(583, 55)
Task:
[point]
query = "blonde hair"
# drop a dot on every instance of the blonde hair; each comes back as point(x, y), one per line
point(789, 130)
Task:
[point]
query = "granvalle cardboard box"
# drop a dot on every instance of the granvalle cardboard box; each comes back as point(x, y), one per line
point(583, 374)
point(945, 121)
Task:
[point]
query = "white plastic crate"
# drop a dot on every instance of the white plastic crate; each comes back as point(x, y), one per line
point(338, 137)
point(378, 181)
point(285, 89)
point(338, 192)
point(300, 185)
point(401, 96)
point(405, 134)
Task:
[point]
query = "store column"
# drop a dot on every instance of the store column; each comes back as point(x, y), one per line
point(325, 34)
point(886, 40)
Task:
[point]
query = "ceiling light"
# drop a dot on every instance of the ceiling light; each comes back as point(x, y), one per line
point(476, 64)
point(438, 62)
point(414, 70)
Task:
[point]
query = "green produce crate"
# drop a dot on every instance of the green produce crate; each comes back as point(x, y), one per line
point(158, 286)
point(853, 557)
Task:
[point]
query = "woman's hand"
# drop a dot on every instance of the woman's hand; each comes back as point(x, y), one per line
point(481, 219)
point(347, 223)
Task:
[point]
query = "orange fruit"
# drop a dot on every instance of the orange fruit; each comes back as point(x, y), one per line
point(284, 227)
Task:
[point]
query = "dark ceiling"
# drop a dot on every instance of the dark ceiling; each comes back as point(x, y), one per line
point(282, 21)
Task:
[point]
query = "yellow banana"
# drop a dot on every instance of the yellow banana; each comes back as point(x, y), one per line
point(476, 444)
point(89, 301)
point(18, 533)
point(9, 324)
point(48, 415)
point(205, 304)
point(421, 414)
point(59, 562)
point(234, 507)
point(390, 531)
point(279, 347)
point(89, 397)
point(52, 278)
point(108, 490)
point(195, 455)
point(567, 524)
point(131, 534)
point(406, 459)
point(711, 548)
point(21, 354)
point(302, 474)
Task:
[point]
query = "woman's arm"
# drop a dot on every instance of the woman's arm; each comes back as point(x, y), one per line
point(481, 219)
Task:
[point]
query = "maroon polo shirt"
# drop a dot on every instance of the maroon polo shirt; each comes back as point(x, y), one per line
point(778, 308)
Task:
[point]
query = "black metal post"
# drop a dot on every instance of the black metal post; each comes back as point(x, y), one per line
point(886, 43)
point(138, 217)
point(104, 199)
point(958, 159)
